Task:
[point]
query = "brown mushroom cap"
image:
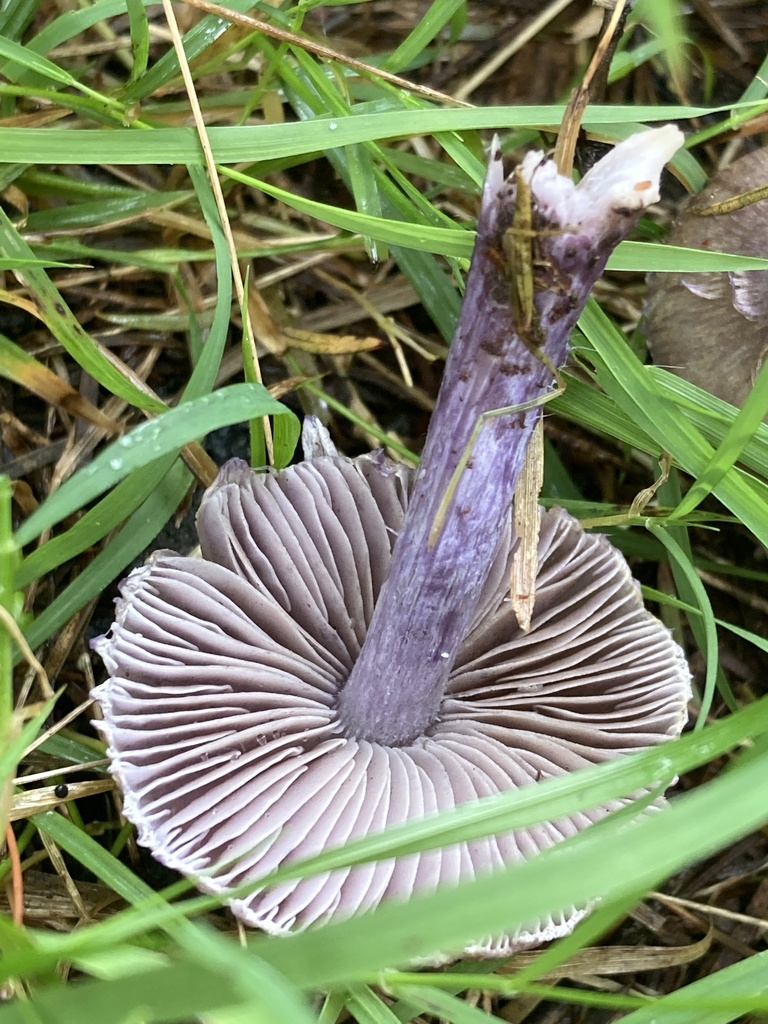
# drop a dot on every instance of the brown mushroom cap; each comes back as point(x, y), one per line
point(712, 328)
point(225, 672)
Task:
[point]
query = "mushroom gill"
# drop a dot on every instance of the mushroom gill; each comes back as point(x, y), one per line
point(225, 672)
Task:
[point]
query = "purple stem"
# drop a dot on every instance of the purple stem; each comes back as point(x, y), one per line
point(428, 602)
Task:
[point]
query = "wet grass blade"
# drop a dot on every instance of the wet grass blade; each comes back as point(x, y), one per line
point(135, 537)
point(148, 442)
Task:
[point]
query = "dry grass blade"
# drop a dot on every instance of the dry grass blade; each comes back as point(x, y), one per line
point(644, 497)
point(577, 104)
point(330, 344)
point(323, 51)
point(8, 623)
point(500, 57)
point(16, 365)
point(213, 177)
point(57, 860)
point(34, 801)
point(47, 901)
point(62, 723)
point(608, 960)
point(522, 585)
point(706, 910)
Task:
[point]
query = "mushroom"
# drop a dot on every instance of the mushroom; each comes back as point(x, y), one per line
point(712, 328)
point(333, 665)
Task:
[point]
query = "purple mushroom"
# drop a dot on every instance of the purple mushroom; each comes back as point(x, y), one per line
point(333, 665)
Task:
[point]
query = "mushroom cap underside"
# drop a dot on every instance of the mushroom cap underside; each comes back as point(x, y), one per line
point(224, 672)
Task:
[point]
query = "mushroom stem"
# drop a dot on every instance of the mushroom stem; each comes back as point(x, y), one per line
point(446, 550)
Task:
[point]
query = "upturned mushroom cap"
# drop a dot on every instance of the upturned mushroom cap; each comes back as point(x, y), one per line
point(332, 666)
point(712, 328)
point(225, 672)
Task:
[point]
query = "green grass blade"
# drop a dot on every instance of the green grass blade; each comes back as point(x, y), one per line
point(96, 522)
point(67, 26)
point(12, 749)
point(758, 87)
point(447, 241)
point(95, 858)
point(549, 800)
point(587, 932)
point(602, 862)
point(201, 36)
point(244, 143)
point(11, 607)
point(333, 1006)
point(713, 417)
point(67, 748)
point(664, 18)
point(146, 443)
point(710, 648)
point(64, 326)
point(137, 534)
point(207, 365)
point(139, 28)
point(367, 1008)
point(23, 57)
point(633, 389)
point(120, 962)
point(265, 996)
point(103, 211)
point(733, 991)
point(286, 431)
point(20, 264)
point(436, 17)
point(427, 275)
point(15, 17)
point(740, 433)
point(644, 257)
point(180, 991)
point(435, 1002)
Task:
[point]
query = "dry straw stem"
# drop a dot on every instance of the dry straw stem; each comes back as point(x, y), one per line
point(323, 51)
point(522, 584)
point(614, 960)
point(9, 623)
point(577, 104)
point(17, 880)
point(500, 58)
point(61, 724)
point(221, 205)
point(523, 579)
